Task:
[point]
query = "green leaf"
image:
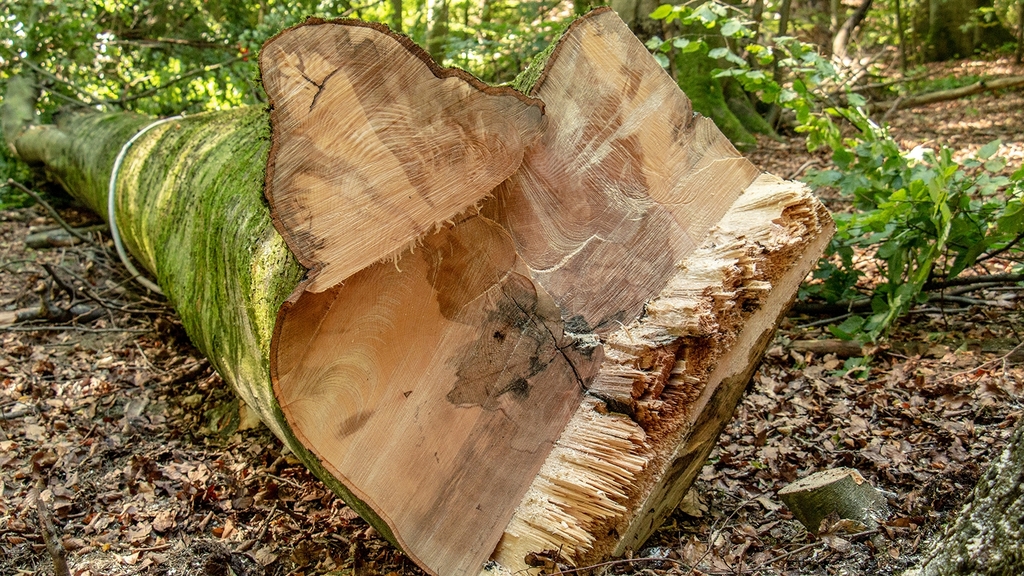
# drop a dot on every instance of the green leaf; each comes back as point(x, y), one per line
point(653, 43)
point(995, 164)
point(661, 12)
point(735, 59)
point(718, 53)
point(731, 27)
point(989, 149)
point(856, 100)
point(662, 59)
point(681, 43)
point(693, 47)
point(848, 329)
point(787, 95)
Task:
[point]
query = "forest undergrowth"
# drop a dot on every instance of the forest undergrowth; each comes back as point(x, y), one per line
point(146, 464)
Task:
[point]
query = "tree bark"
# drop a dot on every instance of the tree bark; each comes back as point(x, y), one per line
point(845, 33)
point(947, 39)
point(589, 291)
point(1019, 52)
point(839, 491)
point(986, 536)
point(396, 15)
point(437, 28)
point(901, 35)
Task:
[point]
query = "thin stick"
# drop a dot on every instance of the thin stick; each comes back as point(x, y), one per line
point(771, 561)
point(73, 329)
point(624, 561)
point(982, 365)
point(102, 302)
point(53, 547)
point(53, 213)
point(825, 321)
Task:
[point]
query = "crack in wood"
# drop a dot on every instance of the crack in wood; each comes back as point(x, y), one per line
point(554, 340)
point(320, 86)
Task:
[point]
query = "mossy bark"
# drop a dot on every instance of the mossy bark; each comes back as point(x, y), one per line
point(708, 98)
point(190, 208)
point(986, 536)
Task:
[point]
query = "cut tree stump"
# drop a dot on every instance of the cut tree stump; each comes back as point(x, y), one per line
point(499, 324)
point(840, 491)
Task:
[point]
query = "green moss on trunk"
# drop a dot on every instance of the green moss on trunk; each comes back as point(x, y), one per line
point(190, 208)
point(707, 97)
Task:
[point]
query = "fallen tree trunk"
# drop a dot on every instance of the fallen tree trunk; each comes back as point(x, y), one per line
point(544, 372)
point(952, 93)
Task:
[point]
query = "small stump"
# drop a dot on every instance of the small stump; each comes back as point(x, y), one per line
point(842, 491)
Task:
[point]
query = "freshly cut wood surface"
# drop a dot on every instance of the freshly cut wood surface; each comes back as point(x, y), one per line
point(374, 145)
point(669, 382)
point(624, 182)
point(840, 491)
point(434, 387)
point(524, 378)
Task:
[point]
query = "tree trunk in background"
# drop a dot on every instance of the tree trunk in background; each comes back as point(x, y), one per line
point(902, 36)
point(547, 371)
point(1020, 32)
point(396, 15)
point(946, 39)
point(437, 28)
point(845, 34)
point(985, 538)
point(693, 72)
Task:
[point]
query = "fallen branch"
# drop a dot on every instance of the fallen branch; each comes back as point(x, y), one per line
point(50, 538)
point(965, 280)
point(975, 369)
point(73, 329)
point(841, 348)
point(58, 237)
point(952, 94)
point(53, 213)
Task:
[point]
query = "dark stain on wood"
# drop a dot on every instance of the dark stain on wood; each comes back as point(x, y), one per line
point(353, 423)
point(519, 347)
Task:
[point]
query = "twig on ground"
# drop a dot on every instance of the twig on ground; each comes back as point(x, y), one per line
point(53, 545)
point(959, 300)
point(16, 412)
point(74, 329)
point(981, 279)
point(982, 365)
point(156, 548)
point(1009, 246)
point(824, 321)
point(108, 304)
point(804, 166)
point(285, 480)
point(53, 213)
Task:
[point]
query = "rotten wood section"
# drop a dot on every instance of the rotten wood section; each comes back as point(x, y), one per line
point(547, 369)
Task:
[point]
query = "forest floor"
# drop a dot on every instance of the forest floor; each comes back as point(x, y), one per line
point(147, 465)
